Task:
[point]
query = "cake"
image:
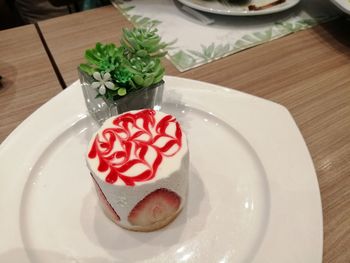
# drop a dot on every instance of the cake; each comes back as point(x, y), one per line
point(139, 163)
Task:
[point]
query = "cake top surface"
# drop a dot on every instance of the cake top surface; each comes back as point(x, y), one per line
point(130, 148)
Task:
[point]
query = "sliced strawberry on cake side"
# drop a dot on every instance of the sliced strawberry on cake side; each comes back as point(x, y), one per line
point(107, 208)
point(156, 210)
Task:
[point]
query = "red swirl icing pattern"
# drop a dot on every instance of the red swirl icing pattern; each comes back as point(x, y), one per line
point(134, 142)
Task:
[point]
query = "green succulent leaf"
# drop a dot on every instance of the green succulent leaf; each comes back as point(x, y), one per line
point(86, 68)
point(159, 77)
point(122, 92)
point(91, 57)
point(148, 81)
point(138, 80)
point(99, 47)
point(159, 55)
point(141, 53)
point(158, 69)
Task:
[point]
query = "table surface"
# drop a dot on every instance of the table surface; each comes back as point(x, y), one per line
point(308, 72)
point(28, 79)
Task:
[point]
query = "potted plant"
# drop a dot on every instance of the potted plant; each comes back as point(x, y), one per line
point(127, 77)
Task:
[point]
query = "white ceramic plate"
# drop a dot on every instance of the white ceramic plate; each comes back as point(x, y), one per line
point(344, 5)
point(217, 7)
point(253, 194)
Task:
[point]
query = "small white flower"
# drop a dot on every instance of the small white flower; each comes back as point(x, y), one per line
point(102, 82)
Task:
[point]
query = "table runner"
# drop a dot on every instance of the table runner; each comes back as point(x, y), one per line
point(195, 43)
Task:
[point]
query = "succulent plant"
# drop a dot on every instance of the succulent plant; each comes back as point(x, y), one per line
point(143, 42)
point(104, 58)
point(135, 64)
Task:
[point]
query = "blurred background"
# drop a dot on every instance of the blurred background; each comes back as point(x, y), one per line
point(20, 12)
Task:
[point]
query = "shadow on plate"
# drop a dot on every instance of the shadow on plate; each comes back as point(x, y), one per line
point(132, 246)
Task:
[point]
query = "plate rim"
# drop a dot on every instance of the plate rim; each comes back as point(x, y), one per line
point(7, 152)
point(345, 7)
point(190, 4)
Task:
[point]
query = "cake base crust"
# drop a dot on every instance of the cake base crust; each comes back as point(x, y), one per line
point(155, 226)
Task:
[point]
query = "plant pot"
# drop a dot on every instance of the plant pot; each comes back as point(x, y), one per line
point(101, 109)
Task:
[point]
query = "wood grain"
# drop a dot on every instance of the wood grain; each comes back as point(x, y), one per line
point(308, 72)
point(28, 79)
point(81, 31)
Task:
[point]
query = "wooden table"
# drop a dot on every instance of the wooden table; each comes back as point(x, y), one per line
point(28, 78)
point(308, 72)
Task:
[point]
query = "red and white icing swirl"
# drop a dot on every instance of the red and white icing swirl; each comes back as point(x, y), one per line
point(132, 146)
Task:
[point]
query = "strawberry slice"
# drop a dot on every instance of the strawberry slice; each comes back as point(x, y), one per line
point(156, 206)
point(107, 208)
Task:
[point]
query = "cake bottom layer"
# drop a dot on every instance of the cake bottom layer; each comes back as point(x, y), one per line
point(155, 226)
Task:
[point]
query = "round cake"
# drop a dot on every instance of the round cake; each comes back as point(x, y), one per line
point(139, 163)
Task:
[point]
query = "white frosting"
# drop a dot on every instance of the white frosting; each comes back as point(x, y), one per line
point(172, 172)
